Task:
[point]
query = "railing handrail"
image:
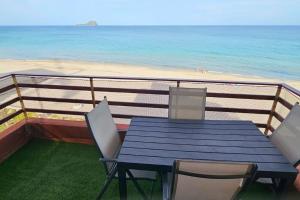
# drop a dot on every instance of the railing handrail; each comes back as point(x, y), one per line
point(150, 79)
point(291, 89)
point(6, 75)
point(285, 86)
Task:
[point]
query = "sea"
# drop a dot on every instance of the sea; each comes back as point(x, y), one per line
point(267, 51)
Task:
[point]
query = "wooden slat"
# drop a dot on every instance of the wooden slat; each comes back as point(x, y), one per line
point(278, 116)
point(124, 116)
point(196, 126)
point(237, 110)
point(241, 96)
point(55, 111)
point(64, 112)
point(203, 130)
point(271, 129)
point(136, 104)
point(165, 122)
point(5, 119)
point(61, 100)
point(204, 148)
point(7, 103)
point(5, 89)
point(204, 156)
point(259, 125)
point(48, 86)
point(219, 143)
point(202, 135)
point(285, 103)
point(171, 123)
point(115, 103)
point(127, 90)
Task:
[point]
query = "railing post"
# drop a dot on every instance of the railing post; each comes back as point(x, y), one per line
point(92, 92)
point(178, 83)
point(19, 95)
point(273, 108)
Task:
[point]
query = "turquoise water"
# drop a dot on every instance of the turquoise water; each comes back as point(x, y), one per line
point(271, 51)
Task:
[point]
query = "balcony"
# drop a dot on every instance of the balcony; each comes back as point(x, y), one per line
point(46, 151)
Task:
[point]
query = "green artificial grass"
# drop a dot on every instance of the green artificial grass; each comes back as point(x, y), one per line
point(258, 191)
point(55, 170)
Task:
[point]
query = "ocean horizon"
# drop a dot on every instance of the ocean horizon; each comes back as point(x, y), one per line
point(266, 51)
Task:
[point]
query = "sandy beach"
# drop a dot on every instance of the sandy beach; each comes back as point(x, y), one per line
point(104, 69)
point(109, 69)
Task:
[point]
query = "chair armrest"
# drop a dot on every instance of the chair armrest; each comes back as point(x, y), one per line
point(108, 160)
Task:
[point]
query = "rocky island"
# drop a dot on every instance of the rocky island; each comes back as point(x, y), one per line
point(89, 23)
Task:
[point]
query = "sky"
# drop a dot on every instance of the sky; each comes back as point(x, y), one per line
point(150, 12)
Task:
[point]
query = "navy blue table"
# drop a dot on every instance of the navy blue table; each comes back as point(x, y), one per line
point(154, 143)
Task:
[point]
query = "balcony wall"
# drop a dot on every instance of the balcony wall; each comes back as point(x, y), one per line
point(19, 134)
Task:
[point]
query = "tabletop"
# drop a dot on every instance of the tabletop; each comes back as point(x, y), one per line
point(154, 143)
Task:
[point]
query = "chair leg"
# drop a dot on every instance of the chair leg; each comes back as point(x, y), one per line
point(136, 185)
point(161, 181)
point(152, 189)
point(105, 186)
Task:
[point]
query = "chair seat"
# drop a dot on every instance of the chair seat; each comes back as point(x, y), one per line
point(141, 174)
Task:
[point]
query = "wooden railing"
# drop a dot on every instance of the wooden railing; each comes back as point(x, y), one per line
point(16, 85)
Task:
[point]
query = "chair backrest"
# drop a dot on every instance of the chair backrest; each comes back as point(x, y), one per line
point(209, 180)
point(287, 136)
point(187, 103)
point(104, 131)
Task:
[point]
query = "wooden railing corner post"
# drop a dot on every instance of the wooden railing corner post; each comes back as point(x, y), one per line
point(273, 108)
point(14, 78)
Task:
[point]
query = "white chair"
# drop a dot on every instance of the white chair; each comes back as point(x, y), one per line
point(184, 103)
point(287, 136)
point(105, 133)
point(187, 103)
point(210, 180)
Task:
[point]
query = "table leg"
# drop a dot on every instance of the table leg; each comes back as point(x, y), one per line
point(282, 188)
point(122, 182)
point(166, 185)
